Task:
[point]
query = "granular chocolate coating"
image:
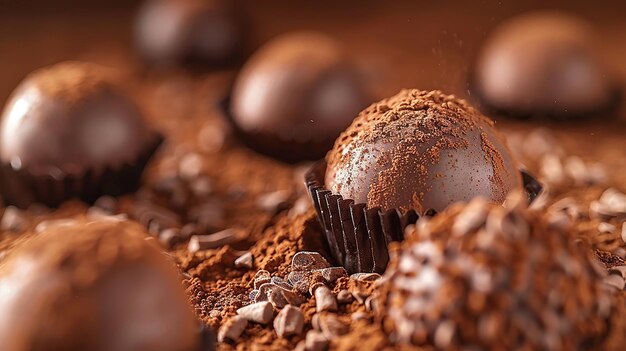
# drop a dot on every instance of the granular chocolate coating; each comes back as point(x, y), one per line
point(198, 33)
point(421, 150)
point(542, 63)
point(494, 278)
point(93, 286)
point(71, 120)
point(296, 94)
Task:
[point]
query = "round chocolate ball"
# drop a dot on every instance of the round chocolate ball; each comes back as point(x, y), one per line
point(93, 286)
point(488, 277)
point(295, 95)
point(71, 126)
point(193, 33)
point(543, 64)
point(421, 150)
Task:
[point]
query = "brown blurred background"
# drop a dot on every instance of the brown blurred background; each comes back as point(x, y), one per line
point(421, 44)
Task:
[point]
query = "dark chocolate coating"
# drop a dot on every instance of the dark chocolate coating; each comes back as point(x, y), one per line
point(93, 286)
point(295, 96)
point(421, 150)
point(542, 64)
point(70, 118)
point(193, 33)
point(73, 124)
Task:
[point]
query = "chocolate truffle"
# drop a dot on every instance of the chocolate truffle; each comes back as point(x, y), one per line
point(70, 131)
point(543, 64)
point(421, 150)
point(295, 95)
point(488, 277)
point(192, 33)
point(93, 286)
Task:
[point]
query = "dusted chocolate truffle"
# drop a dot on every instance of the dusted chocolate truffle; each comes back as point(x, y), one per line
point(199, 33)
point(295, 95)
point(421, 150)
point(543, 64)
point(482, 276)
point(70, 131)
point(96, 286)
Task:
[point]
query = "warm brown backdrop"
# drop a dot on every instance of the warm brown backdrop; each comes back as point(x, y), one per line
point(399, 44)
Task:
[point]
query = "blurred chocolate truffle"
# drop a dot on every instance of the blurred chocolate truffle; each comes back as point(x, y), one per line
point(487, 277)
point(543, 64)
point(421, 150)
point(93, 286)
point(192, 33)
point(295, 95)
point(70, 130)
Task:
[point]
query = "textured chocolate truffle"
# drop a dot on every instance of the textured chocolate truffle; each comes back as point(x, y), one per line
point(196, 33)
point(488, 277)
point(543, 64)
point(69, 125)
point(421, 150)
point(93, 286)
point(295, 95)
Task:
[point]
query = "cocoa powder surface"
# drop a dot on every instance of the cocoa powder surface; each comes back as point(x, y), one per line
point(184, 109)
point(273, 234)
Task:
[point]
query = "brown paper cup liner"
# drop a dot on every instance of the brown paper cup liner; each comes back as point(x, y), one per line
point(607, 109)
point(357, 236)
point(22, 188)
point(286, 150)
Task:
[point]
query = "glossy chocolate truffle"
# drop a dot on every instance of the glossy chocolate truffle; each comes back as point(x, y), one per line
point(295, 95)
point(71, 122)
point(93, 286)
point(542, 64)
point(198, 33)
point(421, 150)
point(495, 278)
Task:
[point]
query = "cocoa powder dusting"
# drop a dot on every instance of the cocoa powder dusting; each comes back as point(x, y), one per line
point(495, 158)
point(222, 185)
point(203, 181)
point(425, 143)
point(71, 81)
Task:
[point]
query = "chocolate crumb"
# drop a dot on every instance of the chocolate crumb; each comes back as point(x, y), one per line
point(308, 261)
point(365, 277)
point(232, 329)
point(274, 202)
point(606, 228)
point(324, 299)
point(289, 321)
point(245, 261)
point(315, 341)
point(616, 281)
point(344, 297)
point(360, 316)
point(331, 326)
point(331, 274)
point(12, 219)
point(212, 241)
point(170, 236)
point(259, 312)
